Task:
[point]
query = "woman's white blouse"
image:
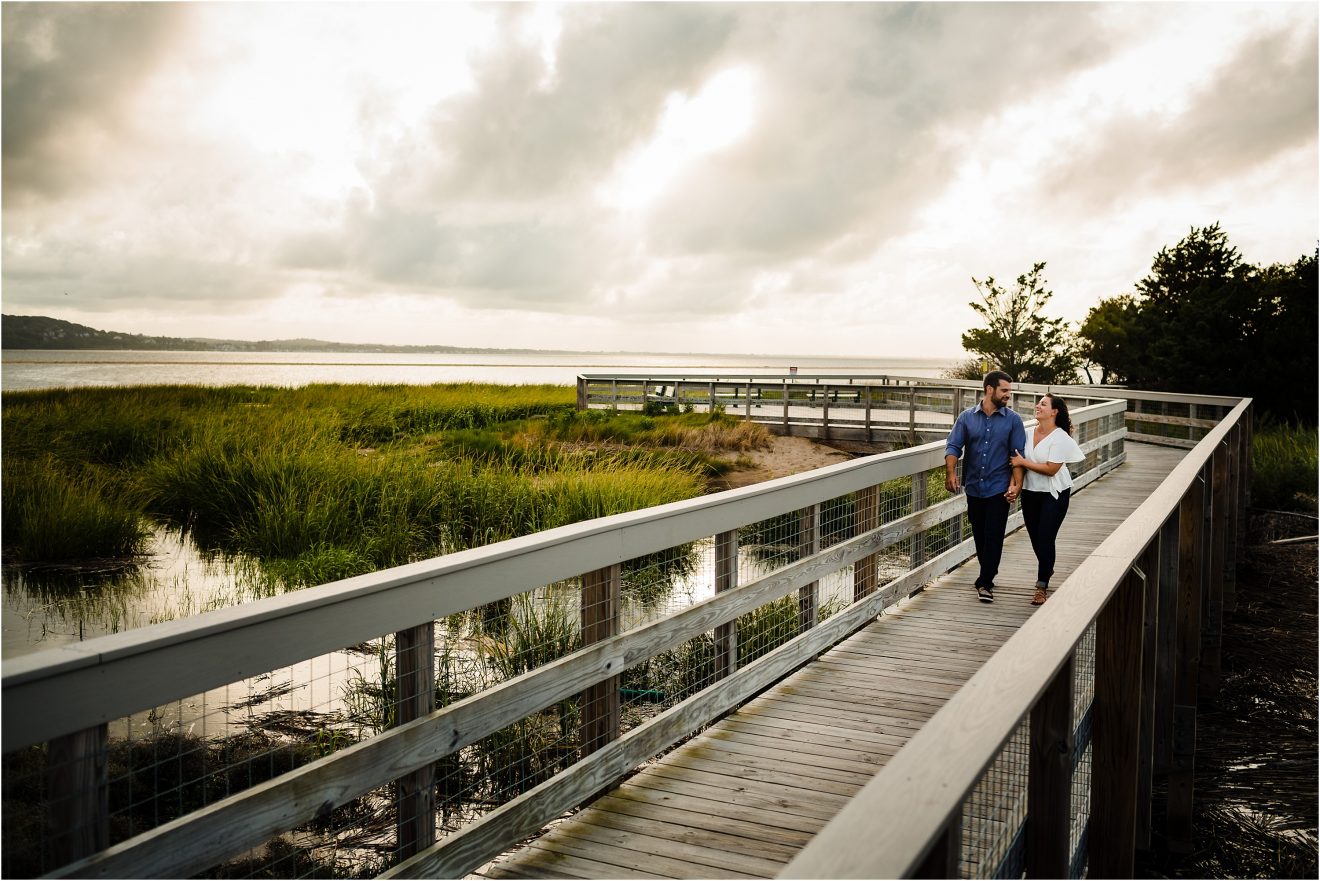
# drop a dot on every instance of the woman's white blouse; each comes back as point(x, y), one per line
point(1057, 446)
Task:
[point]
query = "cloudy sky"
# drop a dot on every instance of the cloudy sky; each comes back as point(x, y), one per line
point(820, 179)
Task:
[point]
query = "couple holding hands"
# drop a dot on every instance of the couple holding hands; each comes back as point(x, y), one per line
point(1003, 461)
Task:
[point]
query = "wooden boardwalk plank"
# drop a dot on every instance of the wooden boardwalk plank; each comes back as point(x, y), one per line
point(741, 798)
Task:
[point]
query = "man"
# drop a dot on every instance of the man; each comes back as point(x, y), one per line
point(990, 432)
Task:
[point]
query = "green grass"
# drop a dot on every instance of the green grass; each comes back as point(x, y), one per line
point(54, 515)
point(325, 482)
point(1284, 467)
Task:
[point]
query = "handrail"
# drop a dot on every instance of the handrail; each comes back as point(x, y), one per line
point(893, 823)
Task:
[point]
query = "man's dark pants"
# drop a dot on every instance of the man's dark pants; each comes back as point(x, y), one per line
point(988, 517)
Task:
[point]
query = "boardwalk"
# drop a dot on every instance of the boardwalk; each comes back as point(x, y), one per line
point(742, 798)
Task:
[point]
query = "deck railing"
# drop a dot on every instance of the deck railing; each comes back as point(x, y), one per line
point(882, 409)
point(1065, 778)
point(464, 697)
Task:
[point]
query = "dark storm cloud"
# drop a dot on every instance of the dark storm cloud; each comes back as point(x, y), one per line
point(68, 70)
point(1260, 103)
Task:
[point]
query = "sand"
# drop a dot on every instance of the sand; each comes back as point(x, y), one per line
point(788, 455)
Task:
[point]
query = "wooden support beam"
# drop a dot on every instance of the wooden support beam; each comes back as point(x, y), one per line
point(944, 859)
point(825, 413)
point(866, 517)
point(1150, 633)
point(808, 543)
point(1166, 636)
point(1187, 665)
point(918, 540)
point(601, 604)
point(1232, 536)
point(78, 794)
point(867, 393)
point(726, 578)
point(912, 415)
point(1212, 622)
point(1049, 778)
point(414, 665)
point(1115, 733)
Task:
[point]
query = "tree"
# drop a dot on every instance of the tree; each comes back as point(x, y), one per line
point(1110, 339)
point(1204, 321)
point(1018, 338)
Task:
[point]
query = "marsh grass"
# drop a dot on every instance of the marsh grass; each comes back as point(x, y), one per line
point(53, 515)
point(325, 482)
point(1284, 466)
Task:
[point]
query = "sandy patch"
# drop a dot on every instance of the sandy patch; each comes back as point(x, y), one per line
point(787, 455)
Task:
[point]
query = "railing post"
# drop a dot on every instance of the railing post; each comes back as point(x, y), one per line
point(614, 395)
point(944, 859)
point(78, 793)
point(712, 397)
point(1244, 499)
point(646, 387)
point(414, 664)
point(867, 393)
point(825, 414)
point(582, 393)
point(1213, 622)
point(785, 407)
point(1213, 613)
point(601, 592)
point(1111, 841)
point(726, 578)
point(1150, 563)
point(1049, 778)
point(912, 415)
point(1166, 648)
point(1187, 665)
point(918, 540)
point(865, 518)
point(808, 539)
point(748, 392)
point(1231, 535)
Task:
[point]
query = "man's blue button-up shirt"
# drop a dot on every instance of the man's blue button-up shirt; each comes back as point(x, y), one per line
point(989, 441)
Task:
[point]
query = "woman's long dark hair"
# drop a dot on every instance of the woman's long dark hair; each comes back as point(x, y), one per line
point(1061, 419)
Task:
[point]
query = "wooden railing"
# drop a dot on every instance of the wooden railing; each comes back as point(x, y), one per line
point(1145, 609)
point(66, 697)
point(882, 409)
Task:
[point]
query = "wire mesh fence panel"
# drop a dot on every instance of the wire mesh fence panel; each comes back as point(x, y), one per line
point(994, 812)
point(1081, 813)
point(1083, 698)
point(176, 758)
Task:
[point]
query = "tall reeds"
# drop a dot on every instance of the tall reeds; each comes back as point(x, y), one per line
point(1284, 467)
point(325, 482)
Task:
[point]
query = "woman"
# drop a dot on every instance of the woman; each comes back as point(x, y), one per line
point(1047, 487)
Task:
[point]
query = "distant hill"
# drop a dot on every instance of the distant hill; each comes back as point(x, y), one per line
point(40, 332)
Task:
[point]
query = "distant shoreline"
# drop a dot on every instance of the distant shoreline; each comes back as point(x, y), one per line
point(40, 333)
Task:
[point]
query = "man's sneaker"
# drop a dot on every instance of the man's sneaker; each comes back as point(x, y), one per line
point(985, 594)
point(1039, 598)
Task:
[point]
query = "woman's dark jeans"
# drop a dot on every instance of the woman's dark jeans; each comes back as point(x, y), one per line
point(1044, 515)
